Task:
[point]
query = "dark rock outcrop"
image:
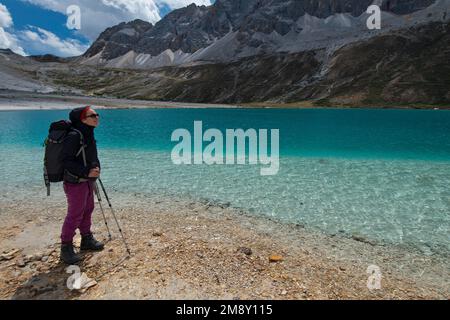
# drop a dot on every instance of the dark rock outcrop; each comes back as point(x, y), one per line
point(118, 40)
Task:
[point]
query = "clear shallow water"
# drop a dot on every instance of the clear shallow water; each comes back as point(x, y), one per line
point(382, 174)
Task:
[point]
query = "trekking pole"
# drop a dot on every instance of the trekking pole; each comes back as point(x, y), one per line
point(114, 215)
point(99, 197)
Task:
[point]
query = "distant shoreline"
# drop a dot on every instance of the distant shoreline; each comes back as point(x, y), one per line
point(18, 100)
point(11, 101)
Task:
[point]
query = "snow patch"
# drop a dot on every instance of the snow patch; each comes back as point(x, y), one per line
point(129, 32)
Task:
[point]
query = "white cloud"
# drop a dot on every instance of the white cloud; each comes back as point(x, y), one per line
point(43, 40)
point(35, 38)
point(143, 9)
point(175, 4)
point(8, 40)
point(98, 15)
point(5, 17)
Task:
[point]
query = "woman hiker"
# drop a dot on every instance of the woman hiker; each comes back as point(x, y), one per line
point(79, 183)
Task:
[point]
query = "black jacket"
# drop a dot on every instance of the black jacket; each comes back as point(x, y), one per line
point(73, 163)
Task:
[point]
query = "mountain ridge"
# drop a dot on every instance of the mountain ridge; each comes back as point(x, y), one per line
point(404, 67)
point(329, 62)
point(231, 29)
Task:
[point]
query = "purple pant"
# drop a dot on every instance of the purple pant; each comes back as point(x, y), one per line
point(80, 202)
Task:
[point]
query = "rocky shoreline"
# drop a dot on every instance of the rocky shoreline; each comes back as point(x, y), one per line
point(19, 100)
point(198, 250)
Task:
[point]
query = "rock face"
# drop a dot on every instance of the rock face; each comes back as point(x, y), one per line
point(118, 40)
point(193, 28)
point(187, 29)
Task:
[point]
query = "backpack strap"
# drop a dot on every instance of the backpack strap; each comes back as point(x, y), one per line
point(83, 146)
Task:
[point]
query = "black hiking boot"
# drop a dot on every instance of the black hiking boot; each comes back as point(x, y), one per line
point(68, 255)
point(89, 243)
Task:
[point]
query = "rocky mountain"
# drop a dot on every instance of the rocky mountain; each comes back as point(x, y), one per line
point(405, 67)
point(233, 29)
point(21, 73)
point(118, 40)
point(309, 52)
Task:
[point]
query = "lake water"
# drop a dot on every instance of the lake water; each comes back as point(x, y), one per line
point(380, 174)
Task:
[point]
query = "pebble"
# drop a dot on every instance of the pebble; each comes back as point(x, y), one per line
point(360, 238)
point(9, 255)
point(246, 251)
point(3, 257)
point(275, 258)
point(42, 290)
point(21, 263)
point(38, 257)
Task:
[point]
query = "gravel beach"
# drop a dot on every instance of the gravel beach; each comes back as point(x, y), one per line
point(185, 249)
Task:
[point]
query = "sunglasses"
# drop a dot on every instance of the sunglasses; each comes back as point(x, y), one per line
point(95, 115)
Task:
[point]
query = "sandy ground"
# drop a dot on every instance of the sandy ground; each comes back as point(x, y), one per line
point(183, 249)
point(10, 100)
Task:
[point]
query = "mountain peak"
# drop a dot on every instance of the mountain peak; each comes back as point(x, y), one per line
point(118, 40)
point(193, 29)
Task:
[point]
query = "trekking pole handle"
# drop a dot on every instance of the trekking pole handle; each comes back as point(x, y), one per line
point(103, 188)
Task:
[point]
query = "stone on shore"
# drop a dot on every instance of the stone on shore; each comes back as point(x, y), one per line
point(275, 258)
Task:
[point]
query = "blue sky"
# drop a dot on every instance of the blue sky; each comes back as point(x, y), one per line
point(31, 27)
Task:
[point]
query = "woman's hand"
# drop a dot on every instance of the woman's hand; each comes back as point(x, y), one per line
point(94, 173)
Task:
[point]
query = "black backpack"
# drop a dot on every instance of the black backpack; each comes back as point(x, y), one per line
point(54, 145)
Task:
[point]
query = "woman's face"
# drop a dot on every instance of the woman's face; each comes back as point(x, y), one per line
point(92, 118)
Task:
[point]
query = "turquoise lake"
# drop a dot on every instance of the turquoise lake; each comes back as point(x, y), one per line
point(382, 174)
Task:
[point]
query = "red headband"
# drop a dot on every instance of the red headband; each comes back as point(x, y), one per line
point(83, 113)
